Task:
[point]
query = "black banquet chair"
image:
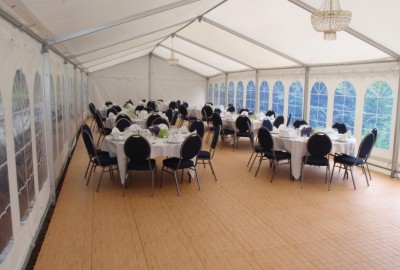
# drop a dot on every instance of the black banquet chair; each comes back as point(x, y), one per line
point(103, 131)
point(319, 145)
point(160, 120)
point(151, 118)
point(190, 148)
point(138, 151)
point(98, 160)
point(231, 109)
point(267, 123)
point(268, 152)
point(270, 113)
point(341, 127)
point(122, 124)
point(174, 118)
point(184, 115)
point(205, 157)
point(347, 161)
point(299, 122)
point(217, 121)
point(279, 120)
point(122, 115)
point(243, 129)
point(197, 126)
point(169, 114)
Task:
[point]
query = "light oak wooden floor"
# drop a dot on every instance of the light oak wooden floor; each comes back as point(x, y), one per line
point(238, 222)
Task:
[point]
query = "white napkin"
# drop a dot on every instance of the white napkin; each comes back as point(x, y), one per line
point(183, 128)
point(111, 115)
point(163, 126)
point(134, 127)
point(115, 131)
point(245, 113)
point(282, 127)
point(274, 129)
point(342, 137)
point(104, 107)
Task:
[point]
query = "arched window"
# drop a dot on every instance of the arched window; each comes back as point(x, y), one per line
point(318, 105)
point(250, 96)
point(264, 96)
point(39, 131)
point(295, 101)
point(378, 106)
point(5, 202)
point(278, 98)
point(239, 95)
point(23, 145)
point(231, 93)
point(344, 106)
point(60, 115)
point(222, 94)
point(210, 93)
point(216, 94)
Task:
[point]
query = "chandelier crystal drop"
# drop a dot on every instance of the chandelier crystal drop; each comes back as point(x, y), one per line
point(330, 18)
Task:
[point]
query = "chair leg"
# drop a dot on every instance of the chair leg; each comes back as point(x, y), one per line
point(366, 177)
point(302, 175)
point(101, 176)
point(90, 173)
point(161, 176)
point(87, 168)
point(252, 153)
point(352, 178)
point(370, 178)
point(212, 170)
point(273, 170)
point(259, 164)
point(330, 181)
point(197, 177)
point(177, 185)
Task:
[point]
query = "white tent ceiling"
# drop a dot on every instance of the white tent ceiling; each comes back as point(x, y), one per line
point(211, 37)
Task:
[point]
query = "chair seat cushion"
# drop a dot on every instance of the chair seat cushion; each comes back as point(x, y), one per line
point(243, 134)
point(173, 162)
point(228, 131)
point(101, 152)
point(316, 161)
point(105, 160)
point(142, 165)
point(348, 160)
point(190, 118)
point(204, 155)
point(107, 131)
point(279, 155)
point(258, 149)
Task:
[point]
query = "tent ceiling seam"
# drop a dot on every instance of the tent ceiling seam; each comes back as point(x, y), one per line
point(131, 18)
point(233, 32)
point(351, 31)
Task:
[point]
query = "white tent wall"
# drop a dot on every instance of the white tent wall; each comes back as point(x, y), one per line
point(20, 52)
point(148, 77)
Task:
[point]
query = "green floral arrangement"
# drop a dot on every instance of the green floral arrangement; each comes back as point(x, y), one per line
point(254, 117)
point(164, 133)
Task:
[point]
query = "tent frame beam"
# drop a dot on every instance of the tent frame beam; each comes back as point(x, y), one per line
point(130, 18)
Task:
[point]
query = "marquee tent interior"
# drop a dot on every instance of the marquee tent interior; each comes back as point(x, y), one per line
point(57, 56)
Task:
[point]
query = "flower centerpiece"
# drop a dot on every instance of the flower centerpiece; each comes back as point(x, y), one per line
point(163, 133)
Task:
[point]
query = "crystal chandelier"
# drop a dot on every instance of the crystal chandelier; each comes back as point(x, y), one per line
point(330, 18)
point(172, 60)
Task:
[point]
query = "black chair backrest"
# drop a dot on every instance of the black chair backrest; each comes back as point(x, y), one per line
point(139, 107)
point(197, 125)
point(191, 146)
point(299, 122)
point(151, 118)
point(214, 142)
point(207, 111)
point(279, 120)
point(112, 110)
point(174, 118)
point(149, 109)
point(216, 120)
point(92, 108)
point(151, 104)
point(137, 148)
point(99, 121)
point(108, 103)
point(375, 132)
point(217, 110)
point(160, 120)
point(319, 144)
point(243, 110)
point(172, 105)
point(178, 103)
point(169, 113)
point(288, 120)
point(366, 146)
point(185, 104)
point(86, 128)
point(265, 139)
point(183, 110)
point(267, 124)
point(122, 124)
point(242, 123)
point(341, 127)
point(88, 140)
point(270, 113)
point(129, 101)
point(231, 109)
point(117, 108)
point(122, 115)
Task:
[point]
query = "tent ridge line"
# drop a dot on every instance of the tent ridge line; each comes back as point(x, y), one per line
point(233, 32)
point(131, 18)
point(183, 67)
point(216, 52)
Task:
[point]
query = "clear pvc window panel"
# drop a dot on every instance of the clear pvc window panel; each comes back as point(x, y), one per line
point(222, 94)
point(6, 232)
point(295, 106)
point(250, 96)
point(210, 93)
point(318, 105)
point(216, 88)
point(231, 93)
point(53, 117)
point(344, 105)
point(39, 131)
point(23, 146)
point(278, 98)
point(60, 115)
point(378, 106)
point(239, 95)
point(264, 97)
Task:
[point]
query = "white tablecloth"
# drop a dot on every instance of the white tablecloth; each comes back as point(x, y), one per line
point(160, 147)
point(298, 148)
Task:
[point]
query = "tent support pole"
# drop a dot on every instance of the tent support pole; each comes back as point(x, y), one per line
point(306, 93)
point(257, 97)
point(395, 156)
